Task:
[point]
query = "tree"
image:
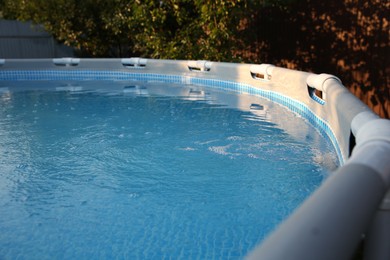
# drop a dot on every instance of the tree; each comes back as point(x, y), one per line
point(162, 29)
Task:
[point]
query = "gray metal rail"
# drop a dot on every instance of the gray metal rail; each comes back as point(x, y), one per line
point(331, 223)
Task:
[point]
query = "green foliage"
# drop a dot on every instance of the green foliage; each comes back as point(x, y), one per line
point(180, 29)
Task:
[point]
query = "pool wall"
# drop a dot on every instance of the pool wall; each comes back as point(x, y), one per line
point(284, 86)
point(350, 200)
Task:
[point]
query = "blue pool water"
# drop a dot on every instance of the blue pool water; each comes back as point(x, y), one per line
point(148, 171)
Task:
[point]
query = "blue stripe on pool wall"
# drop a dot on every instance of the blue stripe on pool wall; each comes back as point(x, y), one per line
point(292, 104)
point(84, 75)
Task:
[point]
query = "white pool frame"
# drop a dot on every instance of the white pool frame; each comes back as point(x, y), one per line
point(351, 203)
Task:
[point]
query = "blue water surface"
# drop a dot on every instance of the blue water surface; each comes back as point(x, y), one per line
point(109, 170)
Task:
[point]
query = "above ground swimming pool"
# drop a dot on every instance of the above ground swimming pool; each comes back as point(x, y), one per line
point(148, 170)
point(148, 159)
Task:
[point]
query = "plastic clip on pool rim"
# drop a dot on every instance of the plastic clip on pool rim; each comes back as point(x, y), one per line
point(329, 225)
